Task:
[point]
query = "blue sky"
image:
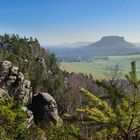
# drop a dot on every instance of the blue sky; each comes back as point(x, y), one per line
point(56, 21)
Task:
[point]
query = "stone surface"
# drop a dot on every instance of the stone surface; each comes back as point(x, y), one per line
point(44, 106)
point(21, 77)
point(41, 61)
point(14, 70)
point(13, 84)
point(3, 93)
point(5, 67)
point(26, 92)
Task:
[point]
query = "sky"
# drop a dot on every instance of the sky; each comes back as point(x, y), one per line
point(59, 21)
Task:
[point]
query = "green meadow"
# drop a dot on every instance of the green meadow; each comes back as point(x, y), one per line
point(100, 68)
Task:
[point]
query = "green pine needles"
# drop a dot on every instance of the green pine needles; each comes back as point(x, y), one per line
point(121, 121)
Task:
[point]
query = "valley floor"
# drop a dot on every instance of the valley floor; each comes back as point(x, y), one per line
point(99, 68)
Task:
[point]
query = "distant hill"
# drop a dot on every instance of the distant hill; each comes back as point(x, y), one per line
point(112, 45)
point(137, 44)
point(108, 45)
point(112, 41)
point(69, 45)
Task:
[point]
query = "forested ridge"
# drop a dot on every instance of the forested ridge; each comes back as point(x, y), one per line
point(89, 109)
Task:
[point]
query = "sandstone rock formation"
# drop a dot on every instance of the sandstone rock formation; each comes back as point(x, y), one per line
point(42, 63)
point(13, 84)
point(44, 106)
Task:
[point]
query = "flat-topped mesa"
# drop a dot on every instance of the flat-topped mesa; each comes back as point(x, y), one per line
point(112, 38)
point(112, 42)
point(13, 84)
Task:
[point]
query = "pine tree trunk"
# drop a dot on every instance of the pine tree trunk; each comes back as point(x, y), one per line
point(126, 137)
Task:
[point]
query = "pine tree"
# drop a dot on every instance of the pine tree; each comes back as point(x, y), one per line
point(119, 121)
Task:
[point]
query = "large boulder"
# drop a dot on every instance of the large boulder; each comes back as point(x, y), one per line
point(14, 70)
point(6, 65)
point(44, 106)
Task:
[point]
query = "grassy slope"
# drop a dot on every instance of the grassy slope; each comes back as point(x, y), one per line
point(98, 68)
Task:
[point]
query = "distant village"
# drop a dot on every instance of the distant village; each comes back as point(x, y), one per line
point(84, 59)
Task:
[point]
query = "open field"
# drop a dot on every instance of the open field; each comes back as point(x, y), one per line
point(99, 68)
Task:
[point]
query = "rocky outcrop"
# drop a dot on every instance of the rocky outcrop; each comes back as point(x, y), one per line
point(24, 64)
point(13, 84)
point(3, 93)
point(42, 63)
point(44, 106)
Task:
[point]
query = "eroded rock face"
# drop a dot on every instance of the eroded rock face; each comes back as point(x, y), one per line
point(13, 84)
point(5, 67)
point(44, 106)
point(4, 94)
point(14, 70)
point(42, 63)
